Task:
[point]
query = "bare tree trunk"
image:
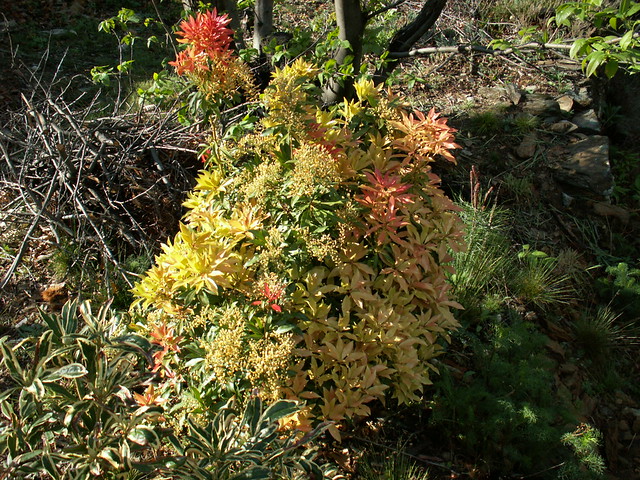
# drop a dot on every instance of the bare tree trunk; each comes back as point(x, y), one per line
point(263, 24)
point(408, 35)
point(351, 22)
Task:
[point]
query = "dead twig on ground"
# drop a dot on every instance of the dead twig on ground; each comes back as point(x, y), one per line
point(111, 185)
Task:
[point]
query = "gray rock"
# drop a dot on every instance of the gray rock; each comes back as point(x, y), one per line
point(586, 167)
point(587, 121)
point(513, 93)
point(582, 97)
point(567, 200)
point(527, 147)
point(540, 104)
point(563, 126)
point(493, 94)
point(565, 102)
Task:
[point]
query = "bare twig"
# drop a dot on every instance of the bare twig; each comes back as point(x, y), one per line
point(480, 49)
point(27, 237)
point(495, 51)
point(93, 180)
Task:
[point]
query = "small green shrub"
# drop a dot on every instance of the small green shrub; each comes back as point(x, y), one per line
point(519, 189)
point(487, 123)
point(622, 289)
point(625, 166)
point(69, 412)
point(245, 444)
point(503, 415)
point(389, 464)
point(526, 123)
point(481, 270)
point(587, 464)
point(598, 333)
point(538, 282)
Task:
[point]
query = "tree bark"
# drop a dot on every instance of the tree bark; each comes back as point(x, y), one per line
point(407, 36)
point(263, 23)
point(230, 7)
point(351, 22)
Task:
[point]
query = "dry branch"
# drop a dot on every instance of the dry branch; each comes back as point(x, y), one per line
point(478, 48)
point(113, 186)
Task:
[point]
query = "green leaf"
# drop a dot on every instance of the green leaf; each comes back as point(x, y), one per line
point(611, 68)
point(311, 468)
point(579, 47)
point(11, 362)
point(69, 316)
point(26, 404)
point(5, 407)
point(500, 44)
point(73, 370)
point(25, 457)
point(60, 390)
point(278, 410)
point(177, 445)
point(143, 435)
point(134, 342)
point(111, 456)
point(330, 65)
point(254, 473)
point(127, 15)
point(124, 67)
point(50, 466)
point(125, 454)
point(563, 13)
point(107, 25)
point(36, 389)
point(632, 10)
point(626, 40)
point(594, 61)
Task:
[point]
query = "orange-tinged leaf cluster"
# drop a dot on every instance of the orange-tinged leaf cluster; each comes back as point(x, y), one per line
point(149, 398)
point(384, 196)
point(208, 39)
point(425, 137)
point(164, 336)
point(208, 59)
point(207, 32)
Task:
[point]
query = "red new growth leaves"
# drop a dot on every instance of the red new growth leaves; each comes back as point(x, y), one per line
point(208, 38)
point(272, 293)
point(385, 194)
point(207, 32)
point(164, 336)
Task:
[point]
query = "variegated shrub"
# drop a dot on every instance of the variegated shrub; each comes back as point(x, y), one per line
point(311, 263)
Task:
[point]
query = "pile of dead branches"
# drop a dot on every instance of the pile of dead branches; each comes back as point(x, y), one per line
point(111, 184)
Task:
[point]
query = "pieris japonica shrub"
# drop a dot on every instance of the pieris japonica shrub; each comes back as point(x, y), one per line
point(312, 262)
